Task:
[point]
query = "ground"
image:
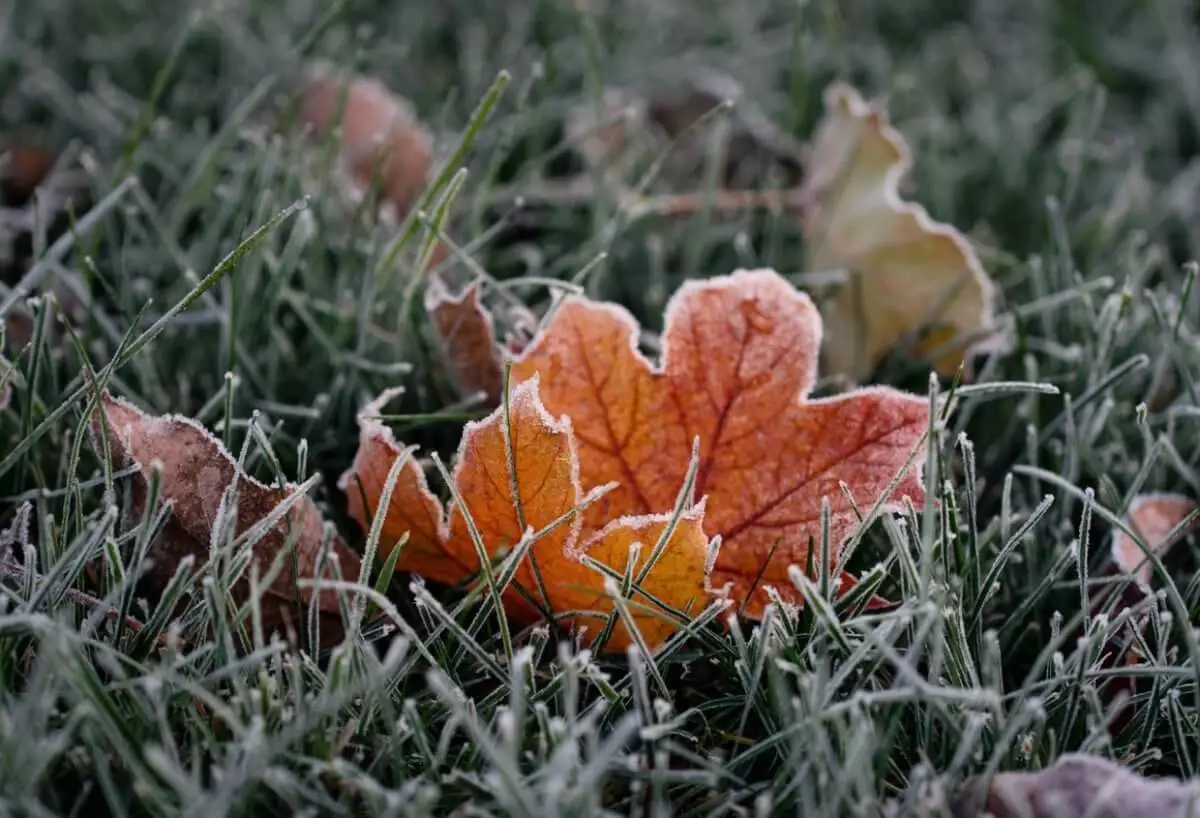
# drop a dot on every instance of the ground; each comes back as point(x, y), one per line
point(1062, 137)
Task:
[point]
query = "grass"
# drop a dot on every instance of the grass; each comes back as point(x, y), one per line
point(1063, 136)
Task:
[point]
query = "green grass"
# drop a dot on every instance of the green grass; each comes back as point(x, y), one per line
point(1063, 136)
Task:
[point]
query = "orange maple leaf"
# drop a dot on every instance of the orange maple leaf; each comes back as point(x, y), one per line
point(739, 360)
point(518, 476)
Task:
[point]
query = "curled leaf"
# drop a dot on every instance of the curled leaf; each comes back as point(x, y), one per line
point(468, 337)
point(1078, 785)
point(907, 272)
point(379, 135)
point(1152, 517)
point(739, 360)
point(520, 481)
point(200, 479)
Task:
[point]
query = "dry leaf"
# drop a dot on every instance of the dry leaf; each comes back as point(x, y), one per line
point(758, 149)
point(22, 169)
point(196, 473)
point(468, 338)
point(1079, 785)
point(908, 273)
point(544, 472)
point(379, 134)
point(630, 130)
point(1152, 517)
point(739, 359)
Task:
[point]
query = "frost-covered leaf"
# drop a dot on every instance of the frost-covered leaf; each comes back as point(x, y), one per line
point(910, 278)
point(522, 481)
point(739, 359)
point(632, 128)
point(1076, 786)
point(1152, 517)
point(378, 134)
point(468, 339)
point(200, 479)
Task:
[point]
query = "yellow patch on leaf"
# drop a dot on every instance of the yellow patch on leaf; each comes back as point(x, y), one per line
point(910, 278)
point(518, 480)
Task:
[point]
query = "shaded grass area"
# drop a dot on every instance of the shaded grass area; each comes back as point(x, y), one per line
point(1061, 135)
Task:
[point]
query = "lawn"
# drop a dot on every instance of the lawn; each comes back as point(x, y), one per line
point(210, 267)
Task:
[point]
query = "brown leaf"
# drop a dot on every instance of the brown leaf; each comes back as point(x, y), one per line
point(379, 134)
point(196, 474)
point(758, 149)
point(22, 169)
point(1075, 786)
point(631, 129)
point(468, 337)
point(1152, 517)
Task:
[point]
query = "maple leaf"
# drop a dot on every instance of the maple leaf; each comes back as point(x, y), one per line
point(1152, 517)
point(907, 272)
point(197, 474)
point(520, 479)
point(1077, 785)
point(468, 337)
point(378, 133)
point(739, 360)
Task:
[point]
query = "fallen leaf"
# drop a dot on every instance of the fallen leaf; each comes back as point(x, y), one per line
point(907, 272)
point(518, 481)
point(468, 337)
point(22, 169)
point(758, 151)
point(631, 129)
point(379, 134)
point(1152, 517)
point(739, 360)
point(197, 474)
point(1078, 785)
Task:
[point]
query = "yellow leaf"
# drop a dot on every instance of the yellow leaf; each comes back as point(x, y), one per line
point(910, 278)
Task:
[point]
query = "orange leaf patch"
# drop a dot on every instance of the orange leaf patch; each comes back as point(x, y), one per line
point(196, 474)
point(518, 480)
point(739, 360)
